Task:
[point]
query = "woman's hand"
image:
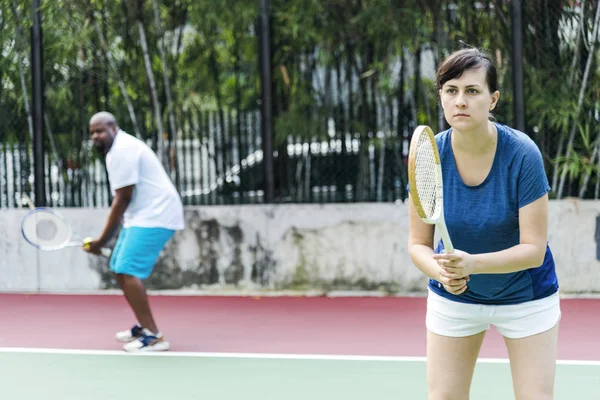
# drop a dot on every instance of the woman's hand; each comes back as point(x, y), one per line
point(455, 269)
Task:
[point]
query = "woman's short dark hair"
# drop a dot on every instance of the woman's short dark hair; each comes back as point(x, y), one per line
point(464, 60)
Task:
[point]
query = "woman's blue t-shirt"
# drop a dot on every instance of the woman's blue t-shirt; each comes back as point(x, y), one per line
point(485, 218)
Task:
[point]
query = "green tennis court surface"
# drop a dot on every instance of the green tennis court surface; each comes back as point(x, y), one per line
point(116, 376)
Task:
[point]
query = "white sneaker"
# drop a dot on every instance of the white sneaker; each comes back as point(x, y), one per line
point(148, 341)
point(129, 335)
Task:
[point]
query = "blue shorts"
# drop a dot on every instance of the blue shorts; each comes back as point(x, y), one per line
point(137, 250)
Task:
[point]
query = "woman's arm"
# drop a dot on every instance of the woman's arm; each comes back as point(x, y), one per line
point(529, 253)
point(420, 249)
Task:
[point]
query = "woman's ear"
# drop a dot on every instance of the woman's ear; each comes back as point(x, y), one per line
point(495, 97)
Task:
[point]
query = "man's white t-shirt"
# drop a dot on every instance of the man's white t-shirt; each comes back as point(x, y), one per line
point(155, 202)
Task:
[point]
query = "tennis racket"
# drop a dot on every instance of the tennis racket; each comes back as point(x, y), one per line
point(425, 181)
point(45, 229)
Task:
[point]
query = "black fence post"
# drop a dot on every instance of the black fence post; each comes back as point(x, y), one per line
point(38, 105)
point(266, 99)
point(516, 8)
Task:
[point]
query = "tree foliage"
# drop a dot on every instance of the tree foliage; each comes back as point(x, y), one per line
point(343, 72)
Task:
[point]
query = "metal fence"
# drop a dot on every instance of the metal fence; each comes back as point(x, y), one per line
point(349, 85)
point(217, 169)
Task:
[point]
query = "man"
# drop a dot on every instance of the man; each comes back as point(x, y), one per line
point(147, 202)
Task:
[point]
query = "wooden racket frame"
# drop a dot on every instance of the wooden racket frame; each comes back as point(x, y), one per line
point(438, 218)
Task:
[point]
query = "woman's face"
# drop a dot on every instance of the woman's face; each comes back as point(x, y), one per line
point(467, 100)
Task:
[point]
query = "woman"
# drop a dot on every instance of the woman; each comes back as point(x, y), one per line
point(496, 210)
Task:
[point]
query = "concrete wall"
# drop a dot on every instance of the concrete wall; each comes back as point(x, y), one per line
point(352, 247)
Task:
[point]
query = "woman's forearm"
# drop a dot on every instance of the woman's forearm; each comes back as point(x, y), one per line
point(516, 258)
point(422, 257)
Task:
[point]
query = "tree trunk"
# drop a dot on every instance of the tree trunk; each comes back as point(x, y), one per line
point(586, 178)
point(165, 69)
point(120, 82)
point(19, 39)
point(381, 170)
point(417, 83)
point(57, 159)
point(220, 131)
point(160, 146)
point(412, 101)
point(597, 191)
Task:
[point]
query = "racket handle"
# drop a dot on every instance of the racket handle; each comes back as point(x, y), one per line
point(448, 247)
point(106, 252)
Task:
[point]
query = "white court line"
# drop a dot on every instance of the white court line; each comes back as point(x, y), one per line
point(268, 356)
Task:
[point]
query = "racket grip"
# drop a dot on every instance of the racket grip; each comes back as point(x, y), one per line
point(106, 252)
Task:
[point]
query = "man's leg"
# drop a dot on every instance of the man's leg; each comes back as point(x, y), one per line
point(135, 261)
point(135, 293)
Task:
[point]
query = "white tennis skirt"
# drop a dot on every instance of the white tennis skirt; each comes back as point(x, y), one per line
point(451, 318)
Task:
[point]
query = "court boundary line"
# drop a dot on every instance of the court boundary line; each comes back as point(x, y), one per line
point(267, 356)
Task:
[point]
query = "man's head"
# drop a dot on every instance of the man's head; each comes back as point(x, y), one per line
point(103, 128)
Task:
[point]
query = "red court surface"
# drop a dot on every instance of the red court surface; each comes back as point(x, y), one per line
point(391, 326)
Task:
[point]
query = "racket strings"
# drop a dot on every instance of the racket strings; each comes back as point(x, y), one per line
point(46, 230)
point(425, 175)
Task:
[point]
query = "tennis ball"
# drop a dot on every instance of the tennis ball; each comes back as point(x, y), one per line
point(86, 242)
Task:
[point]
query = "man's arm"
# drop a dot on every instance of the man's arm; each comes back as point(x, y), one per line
point(117, 209)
